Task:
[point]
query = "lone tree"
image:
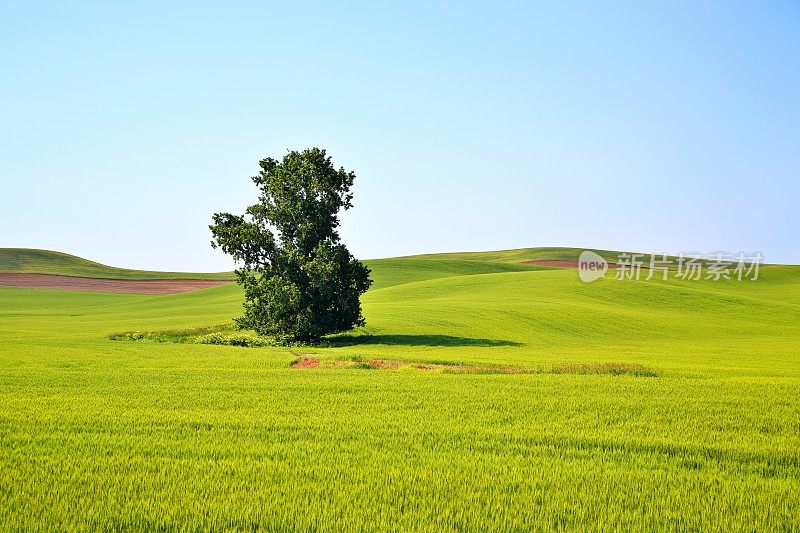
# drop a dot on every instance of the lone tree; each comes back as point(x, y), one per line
point(300, 282)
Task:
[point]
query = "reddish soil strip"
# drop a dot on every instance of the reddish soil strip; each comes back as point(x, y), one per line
point(306, 362)
point(562, 263)
point(74, 283)
point(614, 369)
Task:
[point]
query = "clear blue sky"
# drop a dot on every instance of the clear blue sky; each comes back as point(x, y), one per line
point(669, 126)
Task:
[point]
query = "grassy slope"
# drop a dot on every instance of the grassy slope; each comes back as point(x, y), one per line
point(399, 271)
point(48, 262)
point(387, 271)
point(210, 437)
point(519, 255)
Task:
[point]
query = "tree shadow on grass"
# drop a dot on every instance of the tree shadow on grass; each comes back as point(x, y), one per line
point(415, 340)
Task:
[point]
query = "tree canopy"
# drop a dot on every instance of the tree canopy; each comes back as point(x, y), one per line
point(300, 281)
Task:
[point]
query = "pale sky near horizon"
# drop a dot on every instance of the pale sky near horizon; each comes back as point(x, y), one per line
point(645, 126)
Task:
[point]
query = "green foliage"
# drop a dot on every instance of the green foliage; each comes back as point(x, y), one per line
point(300, 282)
point(136, 336)
point(186, 436)
point(235, 339)
point(220, 335)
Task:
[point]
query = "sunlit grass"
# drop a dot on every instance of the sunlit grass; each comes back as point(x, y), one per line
point(101, 434)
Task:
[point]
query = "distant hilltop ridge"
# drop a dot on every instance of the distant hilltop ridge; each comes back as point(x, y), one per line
point(33, 261)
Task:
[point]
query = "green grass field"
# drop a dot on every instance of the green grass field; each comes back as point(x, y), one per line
point(102, 434)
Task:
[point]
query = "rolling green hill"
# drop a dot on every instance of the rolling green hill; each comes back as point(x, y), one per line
point(519, 255)
point(211, 437)
point(386, 272)
point(34, 261)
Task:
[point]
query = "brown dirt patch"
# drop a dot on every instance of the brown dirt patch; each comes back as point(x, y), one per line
point(75, 283)
point(614, 369)
point(562, 263)
point(305, 361)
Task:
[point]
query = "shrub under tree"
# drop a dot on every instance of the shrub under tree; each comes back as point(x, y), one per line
point(300, 282)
